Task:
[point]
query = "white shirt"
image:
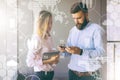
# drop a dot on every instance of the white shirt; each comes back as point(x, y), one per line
point(35, 46)
point(92, 40)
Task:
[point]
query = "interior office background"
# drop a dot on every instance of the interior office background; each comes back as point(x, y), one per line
point(17, 21)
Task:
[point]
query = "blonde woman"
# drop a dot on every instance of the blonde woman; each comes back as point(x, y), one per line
point(40, 43)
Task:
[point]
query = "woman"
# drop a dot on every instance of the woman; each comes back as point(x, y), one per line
point(40, 43)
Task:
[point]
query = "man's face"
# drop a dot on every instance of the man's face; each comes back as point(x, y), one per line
point(80, 19)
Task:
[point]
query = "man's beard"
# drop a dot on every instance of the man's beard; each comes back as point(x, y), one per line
point(83, 25)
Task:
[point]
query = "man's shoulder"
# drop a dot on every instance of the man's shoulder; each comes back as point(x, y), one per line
point(73, 29)
point(95, 26)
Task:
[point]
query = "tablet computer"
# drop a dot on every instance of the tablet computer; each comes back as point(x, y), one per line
point(48, 55)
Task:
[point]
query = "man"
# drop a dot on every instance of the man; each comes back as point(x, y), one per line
point(86, 44)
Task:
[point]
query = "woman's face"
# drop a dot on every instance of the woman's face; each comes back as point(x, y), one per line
point(49, 25)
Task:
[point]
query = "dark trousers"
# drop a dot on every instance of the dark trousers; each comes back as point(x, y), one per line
point(42, 75)
point(73, 76)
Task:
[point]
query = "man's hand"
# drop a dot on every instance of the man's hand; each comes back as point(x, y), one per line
point(73, 50)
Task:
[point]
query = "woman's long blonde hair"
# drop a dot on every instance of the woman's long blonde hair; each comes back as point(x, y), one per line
point(43, 23)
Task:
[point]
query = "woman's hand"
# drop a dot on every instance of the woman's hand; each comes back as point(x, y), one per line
point(52, 60)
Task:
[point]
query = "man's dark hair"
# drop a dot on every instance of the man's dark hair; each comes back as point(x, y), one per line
point(78, 6)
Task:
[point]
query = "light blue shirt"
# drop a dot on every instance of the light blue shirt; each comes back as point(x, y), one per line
point(92, 40)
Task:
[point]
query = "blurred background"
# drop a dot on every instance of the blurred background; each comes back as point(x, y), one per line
point(17, 18)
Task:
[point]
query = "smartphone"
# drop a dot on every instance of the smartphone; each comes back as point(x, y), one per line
point(62, 46)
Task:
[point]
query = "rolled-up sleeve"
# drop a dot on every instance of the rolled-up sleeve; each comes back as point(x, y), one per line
point(99, 44)
point(31, 61)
